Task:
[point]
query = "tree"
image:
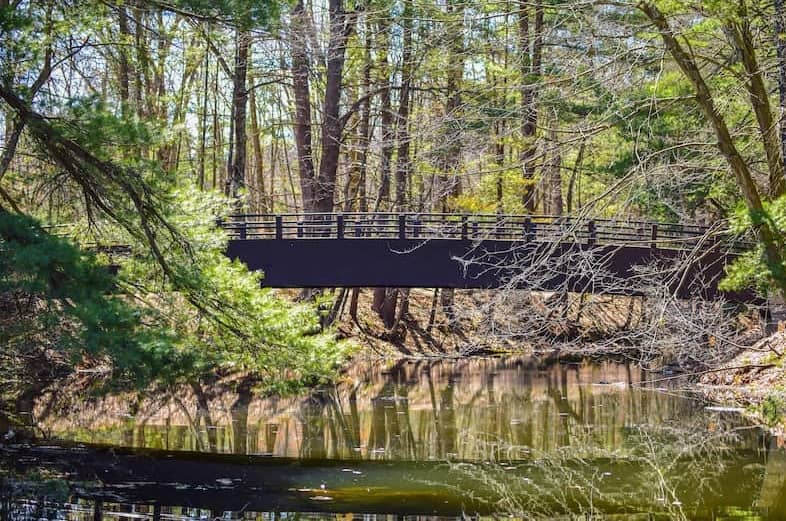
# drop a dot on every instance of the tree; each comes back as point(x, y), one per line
point(302, 91)
point(531, 58)
point(236, 178)
point(178, 309)
point(770, 237)
point(342, 23)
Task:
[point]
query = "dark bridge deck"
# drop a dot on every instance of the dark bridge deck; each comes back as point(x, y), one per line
point(477, 251)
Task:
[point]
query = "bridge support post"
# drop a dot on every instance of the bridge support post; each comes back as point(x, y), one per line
point(402, 226)
point(279, 227)
point(592, 233)
point(300, 229)
point(243, 230)
point(529, 230)
point(339, 226)
point(464, 226)
point(654, 236)
point(416, 228)
point(98, 510)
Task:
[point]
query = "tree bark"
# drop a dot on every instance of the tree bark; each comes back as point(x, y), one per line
point(236, 175)
point(259, 158)
point(531, 61)
point(203, 116)
point(9, 147)
point(302, 91)
point(341, 25)
point(385, 119)
point(555, 172)
point(780, 50)
point(760, 100)
point(142, 83)
point(123, 66)
point(19, 123)
point(574, 176)
point(450, 182)
point(364, 130)
point(402, 118)
point(453, 146)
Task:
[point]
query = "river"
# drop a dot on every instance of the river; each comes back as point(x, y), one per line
point(475, 437)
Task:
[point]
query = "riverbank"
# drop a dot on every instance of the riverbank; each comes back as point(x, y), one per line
point(744, 373)
point(507, 325)
point(755, 381)
point(482, 323)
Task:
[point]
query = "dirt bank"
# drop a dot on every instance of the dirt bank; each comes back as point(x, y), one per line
point(755, 380)
point(489, 322)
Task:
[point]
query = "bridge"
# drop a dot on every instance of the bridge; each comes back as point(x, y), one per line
point(482, 251)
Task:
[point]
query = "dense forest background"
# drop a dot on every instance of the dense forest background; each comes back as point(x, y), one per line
point(142, 122)
point(545, 107)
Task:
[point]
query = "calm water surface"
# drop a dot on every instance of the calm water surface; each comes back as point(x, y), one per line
point(481, 437)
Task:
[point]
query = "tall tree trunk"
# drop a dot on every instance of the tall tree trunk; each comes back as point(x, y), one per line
point(575, 177)
point(140, 73)
point(352, 185)
point(452, 147)
point(123, 65)
point(555, 171)
point(531, 59)
point(259, 158)
point(780, 48)
point(384, 303)
point(385, 119)
point(498, 142)
point(341, 25)
point(760, 100)
point(203, 116)
point(499, 160)
point(402, 120)
point(163, 46)
point(302, 91)
point(190, 57)
point(217, 142)
point(365, 125)
point(236, 174)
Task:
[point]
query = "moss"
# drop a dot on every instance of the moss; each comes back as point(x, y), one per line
point(772, 409)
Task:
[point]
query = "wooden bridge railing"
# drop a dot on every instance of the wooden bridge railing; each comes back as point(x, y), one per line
point(423, 226)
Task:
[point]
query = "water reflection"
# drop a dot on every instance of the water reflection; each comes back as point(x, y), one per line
point(490, 436)
point(476, 409)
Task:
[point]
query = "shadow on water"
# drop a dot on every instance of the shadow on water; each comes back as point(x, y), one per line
point(469, 437)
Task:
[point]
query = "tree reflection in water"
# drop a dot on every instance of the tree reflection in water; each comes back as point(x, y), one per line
point(678, 471)
point(476, 409)
point(528, 439)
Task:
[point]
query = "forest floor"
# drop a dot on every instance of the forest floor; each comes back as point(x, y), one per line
point(754, 380)
point(484, 323)
point(421, 335)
